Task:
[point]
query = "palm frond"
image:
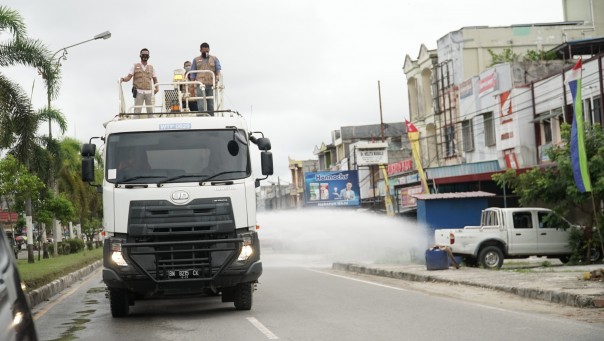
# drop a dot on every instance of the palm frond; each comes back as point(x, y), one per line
point(55, 116)
point(12, 21)
point(14, 105)
point(25, 51)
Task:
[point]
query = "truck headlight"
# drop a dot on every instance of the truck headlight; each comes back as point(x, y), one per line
point(118, 259)
point(116, 255)
point(246, 250)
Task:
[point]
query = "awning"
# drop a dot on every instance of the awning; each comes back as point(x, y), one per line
point(541, 118)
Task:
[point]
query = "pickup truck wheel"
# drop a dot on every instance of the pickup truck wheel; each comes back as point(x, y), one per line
point(595, 255)
point(491, 257)
point(243, 296)
point(119, 302)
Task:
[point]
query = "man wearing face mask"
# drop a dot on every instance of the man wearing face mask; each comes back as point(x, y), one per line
point(144, 79)
point(206, 62)
point(190, 89)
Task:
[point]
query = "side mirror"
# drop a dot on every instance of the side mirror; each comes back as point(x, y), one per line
point(88, 149)
point(266, 160)
point(88, 169)
point(263, 143)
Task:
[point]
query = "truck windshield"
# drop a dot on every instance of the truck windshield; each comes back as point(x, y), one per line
point(182, 156)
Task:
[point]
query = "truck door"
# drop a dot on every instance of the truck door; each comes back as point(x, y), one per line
point(552, 238)
point(523, 235)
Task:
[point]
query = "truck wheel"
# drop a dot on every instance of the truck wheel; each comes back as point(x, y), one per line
point(490, 257)
point(243, 296)
point(120, 305)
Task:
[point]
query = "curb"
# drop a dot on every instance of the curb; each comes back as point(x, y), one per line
point(570, 299)
point(45, 292)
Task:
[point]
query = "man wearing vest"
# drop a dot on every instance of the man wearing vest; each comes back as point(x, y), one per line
point(144, 79)
point(206, 62)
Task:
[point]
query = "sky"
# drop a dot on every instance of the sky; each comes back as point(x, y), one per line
point(296, 70)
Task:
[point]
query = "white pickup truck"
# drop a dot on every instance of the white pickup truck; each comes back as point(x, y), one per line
point(508, 233)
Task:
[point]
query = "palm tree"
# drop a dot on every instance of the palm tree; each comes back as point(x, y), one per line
point(19, 122)
point(69, 181)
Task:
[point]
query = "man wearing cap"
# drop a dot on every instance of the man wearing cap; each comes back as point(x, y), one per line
point(144, 84)
point(206, 62)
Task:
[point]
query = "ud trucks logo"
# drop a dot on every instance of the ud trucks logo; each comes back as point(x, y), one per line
point(180, 196)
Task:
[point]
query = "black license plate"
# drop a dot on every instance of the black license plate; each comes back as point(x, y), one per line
point(183, 274)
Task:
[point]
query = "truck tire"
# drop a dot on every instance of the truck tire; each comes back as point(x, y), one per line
point(243, 296)
point(595, 255)
point(491, 257)
point(119, 302)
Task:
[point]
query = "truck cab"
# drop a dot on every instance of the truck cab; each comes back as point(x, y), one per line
point(179, 203)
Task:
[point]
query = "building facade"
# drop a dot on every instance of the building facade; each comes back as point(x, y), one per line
point(478, 116)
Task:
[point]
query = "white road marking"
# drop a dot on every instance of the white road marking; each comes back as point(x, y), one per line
point(75, 287)
point(358, 280)
point(401, 289)
point(262, 328)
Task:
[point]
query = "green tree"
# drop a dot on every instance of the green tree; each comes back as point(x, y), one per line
point(90, 227)
point(19, 122)
point(17, 49)
point(18, 185)
point(554, 187)
point(16, 182)
point(62, 208)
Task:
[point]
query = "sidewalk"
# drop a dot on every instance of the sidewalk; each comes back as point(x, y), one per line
point(557, 283)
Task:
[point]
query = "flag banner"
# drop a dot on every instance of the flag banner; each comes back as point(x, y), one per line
point(577, 136)
point(413, 135)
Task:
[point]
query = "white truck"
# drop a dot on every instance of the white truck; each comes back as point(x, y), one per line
point(509, 233)
point(179, 203)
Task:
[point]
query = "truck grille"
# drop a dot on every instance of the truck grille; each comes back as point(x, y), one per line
point(175, 243)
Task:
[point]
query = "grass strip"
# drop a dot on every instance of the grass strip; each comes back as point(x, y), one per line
point(44, 271)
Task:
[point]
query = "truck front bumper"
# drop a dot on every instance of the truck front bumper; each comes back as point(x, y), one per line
point(141, 283)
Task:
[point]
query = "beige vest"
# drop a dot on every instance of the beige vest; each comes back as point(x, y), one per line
point(143, 78)
point(205, 64)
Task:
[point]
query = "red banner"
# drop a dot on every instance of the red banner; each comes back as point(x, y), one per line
point(487, 83)
point(4, 217)
point(399, 167)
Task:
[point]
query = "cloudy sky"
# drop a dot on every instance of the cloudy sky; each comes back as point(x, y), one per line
point(296, 70)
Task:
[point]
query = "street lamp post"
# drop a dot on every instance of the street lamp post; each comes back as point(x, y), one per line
point(57, 64)
point(104, 35)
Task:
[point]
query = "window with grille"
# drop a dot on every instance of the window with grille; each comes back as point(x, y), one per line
point(547, 130)
point(596, 111)
point(489, 129)
point(467, 135)
point(450, 141)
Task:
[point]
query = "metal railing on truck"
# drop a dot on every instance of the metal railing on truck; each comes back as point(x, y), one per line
point(175, 96)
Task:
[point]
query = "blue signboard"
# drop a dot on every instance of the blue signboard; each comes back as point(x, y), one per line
point(332, 188)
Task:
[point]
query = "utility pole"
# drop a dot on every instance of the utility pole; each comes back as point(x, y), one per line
point(57, 230)
point(381, 116)
point(279, 192)
point(387, 199)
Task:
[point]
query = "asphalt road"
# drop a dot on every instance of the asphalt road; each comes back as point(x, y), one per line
point(301, 298)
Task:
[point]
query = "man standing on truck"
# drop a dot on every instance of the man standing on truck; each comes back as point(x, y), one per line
point(144, 78)
point(206, 62)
